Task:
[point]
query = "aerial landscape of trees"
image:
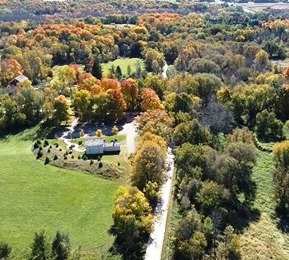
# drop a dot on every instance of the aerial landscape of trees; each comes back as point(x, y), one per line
point(208, 80)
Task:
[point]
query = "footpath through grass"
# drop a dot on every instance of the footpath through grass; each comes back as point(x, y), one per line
point(36, 197)
point(262, 239)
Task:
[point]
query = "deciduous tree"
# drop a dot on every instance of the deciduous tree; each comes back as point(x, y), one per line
point(132, 219)
point(61, 107)
point(150, 100)
point(148, 165)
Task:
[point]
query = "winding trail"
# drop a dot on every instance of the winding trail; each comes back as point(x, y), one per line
point(164, 72)
point(67, 134)
point(156, 240)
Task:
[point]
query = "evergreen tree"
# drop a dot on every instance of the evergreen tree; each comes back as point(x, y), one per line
point(60, 246)
point(39, 249)
point(5, 250)
point(118, 72)
point(96, 69)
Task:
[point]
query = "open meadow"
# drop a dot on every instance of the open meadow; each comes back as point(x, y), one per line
point(263, 239)
point(123, 63)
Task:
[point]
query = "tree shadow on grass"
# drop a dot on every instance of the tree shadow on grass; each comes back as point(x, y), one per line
point(136, 253)
point(242, 217)
point(40, 131)
point(4, 134)
point(282, 218)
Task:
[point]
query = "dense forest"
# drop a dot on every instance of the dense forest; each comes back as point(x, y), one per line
point(214, 87)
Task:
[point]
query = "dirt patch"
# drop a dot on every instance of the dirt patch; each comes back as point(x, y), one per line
point(105, 170)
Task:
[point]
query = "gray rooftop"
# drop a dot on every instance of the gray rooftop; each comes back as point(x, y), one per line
point(99, 142)
point(94, 142)
point(21, 78)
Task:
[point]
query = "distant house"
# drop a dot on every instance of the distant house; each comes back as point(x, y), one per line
point(19, 79)
point(12, 87)
point(99, 147)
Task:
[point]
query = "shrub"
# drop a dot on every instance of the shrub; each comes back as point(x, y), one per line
point(65, 157)
point(48, 150)
point(55, 157)
point(100, 165)
point(79, 157)
point(5, 250)
point(39, 155)
point(60, 150)
point(72, 156)
point(40, 148)
point(46, 143)
point(35, 146)
point(47, 160)
point(38, 142)
point(80, 142)
point(268, 127)
point(91, 162)
point(56, 145)
point(70, 152)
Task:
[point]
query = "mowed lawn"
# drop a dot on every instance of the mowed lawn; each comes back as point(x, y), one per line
point(123, 64)
point(35, 197)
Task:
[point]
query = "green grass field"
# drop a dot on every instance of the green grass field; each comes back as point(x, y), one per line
point(35, 197)
point(123, 63)
point(263, 240)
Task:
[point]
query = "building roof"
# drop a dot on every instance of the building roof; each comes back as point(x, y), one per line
point(21, 78)
point(111, 144)
point(100, 142)
point(94, 142)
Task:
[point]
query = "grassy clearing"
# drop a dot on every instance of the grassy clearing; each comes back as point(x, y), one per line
point(36, 197)
point(123, 64)
point(262, 239)
point(174, 218)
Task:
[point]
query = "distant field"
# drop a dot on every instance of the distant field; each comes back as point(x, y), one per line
point(123, 63)
point(35, 197)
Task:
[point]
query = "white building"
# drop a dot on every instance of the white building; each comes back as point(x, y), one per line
point(99, 146)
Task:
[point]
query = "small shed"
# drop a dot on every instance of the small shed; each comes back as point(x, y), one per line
point(94, 146)
point(99, 146)
point(19, 79)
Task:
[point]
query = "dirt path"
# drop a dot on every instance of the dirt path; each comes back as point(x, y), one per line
point(156, 240)
point(165, 68)
point(67, 135)
point(129, 130)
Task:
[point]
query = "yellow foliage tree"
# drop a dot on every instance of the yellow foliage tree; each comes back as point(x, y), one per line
point(98, 133)
point(132, 217)
point(281, 154)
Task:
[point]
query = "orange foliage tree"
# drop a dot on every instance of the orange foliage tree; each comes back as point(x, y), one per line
point(129, 89)
point(150, 100)
point(10, 69)
point(118, 101)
